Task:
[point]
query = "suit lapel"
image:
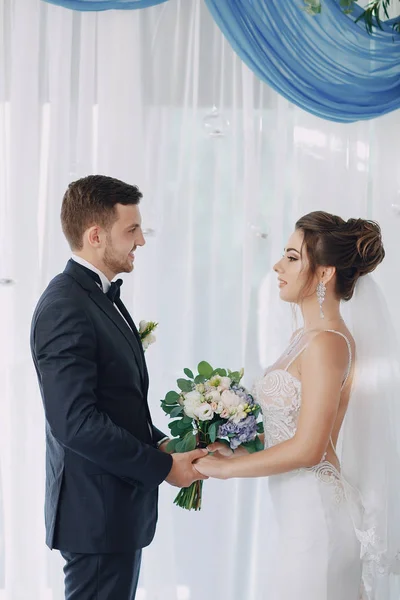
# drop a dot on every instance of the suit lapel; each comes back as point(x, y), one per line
point(100, 299)
point(125, 313)
point(107, 307)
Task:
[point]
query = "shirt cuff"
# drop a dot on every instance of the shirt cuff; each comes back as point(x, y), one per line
point(164, 439)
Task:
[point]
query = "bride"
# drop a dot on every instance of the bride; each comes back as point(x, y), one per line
point(335, 538)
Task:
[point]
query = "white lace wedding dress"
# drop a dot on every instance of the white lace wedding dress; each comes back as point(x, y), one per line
point(317, 556)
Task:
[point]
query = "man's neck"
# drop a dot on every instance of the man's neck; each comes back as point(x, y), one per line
point(90, 264)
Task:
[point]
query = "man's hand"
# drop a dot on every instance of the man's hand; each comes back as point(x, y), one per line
point(183, 472)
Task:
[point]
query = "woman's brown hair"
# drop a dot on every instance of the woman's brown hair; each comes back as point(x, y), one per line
point(353, 247)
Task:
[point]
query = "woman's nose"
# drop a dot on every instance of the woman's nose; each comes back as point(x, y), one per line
point(278, 267)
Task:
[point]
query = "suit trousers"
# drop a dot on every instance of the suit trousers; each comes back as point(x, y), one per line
point(101, 576)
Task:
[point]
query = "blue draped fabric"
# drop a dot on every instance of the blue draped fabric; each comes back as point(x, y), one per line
point(327, 64)
point(105, 4)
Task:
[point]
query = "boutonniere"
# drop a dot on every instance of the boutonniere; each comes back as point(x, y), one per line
point(147, 336)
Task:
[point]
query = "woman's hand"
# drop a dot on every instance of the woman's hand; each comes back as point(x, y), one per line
point(213, 466)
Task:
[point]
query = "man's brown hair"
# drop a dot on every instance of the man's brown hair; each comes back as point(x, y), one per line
point(91, 201)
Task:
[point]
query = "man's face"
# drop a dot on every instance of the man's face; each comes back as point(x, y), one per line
point(123, 238)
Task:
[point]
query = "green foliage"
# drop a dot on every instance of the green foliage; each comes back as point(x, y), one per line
point(374, 12)
point(260, 427)
point(213, 430)
point(171, 398)
point(254, 446)
point(185, 385)
point(372, 16)
point(205, 369)
point(176, 411)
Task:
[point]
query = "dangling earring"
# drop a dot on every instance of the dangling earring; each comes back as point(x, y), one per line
point(321, 291)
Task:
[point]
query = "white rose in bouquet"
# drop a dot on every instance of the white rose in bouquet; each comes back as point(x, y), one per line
point(213, 396)
point(204, 412)
point(220, 408)
point(225, 384)
point(191, 402)
point(230, 399)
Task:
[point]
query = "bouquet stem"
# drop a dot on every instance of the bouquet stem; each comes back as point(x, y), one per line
point(190, 497)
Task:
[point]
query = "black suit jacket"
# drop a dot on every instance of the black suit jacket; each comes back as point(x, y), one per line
point(102, 466)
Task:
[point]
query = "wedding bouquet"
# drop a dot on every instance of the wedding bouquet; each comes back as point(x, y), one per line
point(210, 406)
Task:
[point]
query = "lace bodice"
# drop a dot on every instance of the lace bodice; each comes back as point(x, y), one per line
point(279, 395)
point(279, 392)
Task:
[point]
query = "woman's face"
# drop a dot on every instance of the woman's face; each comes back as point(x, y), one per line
point(293, 270)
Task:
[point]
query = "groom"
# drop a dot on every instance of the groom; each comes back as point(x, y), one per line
point(104, 457)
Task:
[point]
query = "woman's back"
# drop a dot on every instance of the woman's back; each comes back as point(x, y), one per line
point(279, 390)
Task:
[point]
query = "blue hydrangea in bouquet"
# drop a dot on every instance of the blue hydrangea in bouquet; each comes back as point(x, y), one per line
point(210, 406)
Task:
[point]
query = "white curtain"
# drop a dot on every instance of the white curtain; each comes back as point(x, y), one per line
point(157, 98)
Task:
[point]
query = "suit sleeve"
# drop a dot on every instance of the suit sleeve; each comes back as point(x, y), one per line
point(64, 345)
point(158, 435)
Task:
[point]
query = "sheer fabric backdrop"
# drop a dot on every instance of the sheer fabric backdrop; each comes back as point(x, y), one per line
point(157, 97)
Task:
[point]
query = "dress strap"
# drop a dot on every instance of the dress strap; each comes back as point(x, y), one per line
point(295, 356)
point(350, 353)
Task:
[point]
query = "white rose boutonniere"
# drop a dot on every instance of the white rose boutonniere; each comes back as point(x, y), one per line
point(147, 337)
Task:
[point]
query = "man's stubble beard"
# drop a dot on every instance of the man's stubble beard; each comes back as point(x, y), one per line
point(114, 264)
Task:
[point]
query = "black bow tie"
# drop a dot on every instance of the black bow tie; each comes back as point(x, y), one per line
point(114, 290)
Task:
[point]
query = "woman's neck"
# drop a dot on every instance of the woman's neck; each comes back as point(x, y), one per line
point(312, 316)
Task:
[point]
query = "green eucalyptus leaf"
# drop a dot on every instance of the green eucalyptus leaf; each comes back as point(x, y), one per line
point(185, 385)
point(171, 398)
point(168, 408)
point(212, 432)
point(189, 442)
point(259, 444)
point(188, 373)
point(220, 372)
point(180, 446)
point(250, 447)
point(235, 376)
point(205, 369)
point(175, 429)
point(171, 446)
point(176, 411)
point(184, 425)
